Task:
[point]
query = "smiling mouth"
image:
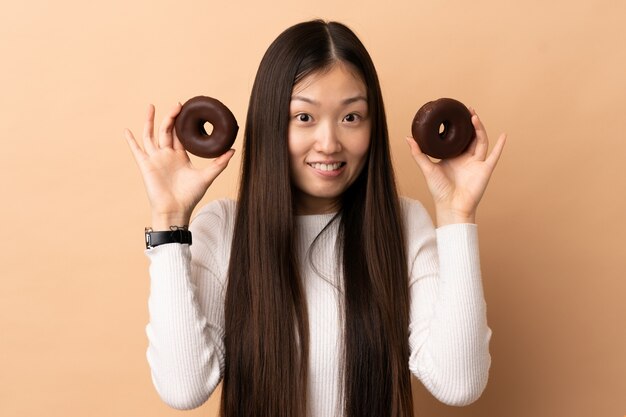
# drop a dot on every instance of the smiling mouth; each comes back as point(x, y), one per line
point(326, 167)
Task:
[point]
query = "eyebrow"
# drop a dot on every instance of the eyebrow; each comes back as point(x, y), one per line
point(346, 101)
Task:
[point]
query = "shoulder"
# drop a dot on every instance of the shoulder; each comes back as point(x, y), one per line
point(223, 209)
point(418, 227)
point(414, 215)
point(213, 225)
point(421, 238)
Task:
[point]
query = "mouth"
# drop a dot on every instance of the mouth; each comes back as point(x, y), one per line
point(326, 167)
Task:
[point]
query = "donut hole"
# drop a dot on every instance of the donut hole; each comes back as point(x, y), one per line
point(443, 129)
point(208, 128)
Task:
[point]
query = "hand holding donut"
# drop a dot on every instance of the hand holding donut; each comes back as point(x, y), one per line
point(173, 185)
point(457, 184)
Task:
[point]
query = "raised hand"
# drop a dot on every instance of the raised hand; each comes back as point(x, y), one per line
point(173, 185)
point(458, 184)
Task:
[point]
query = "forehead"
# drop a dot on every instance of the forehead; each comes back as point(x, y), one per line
point(339, 78)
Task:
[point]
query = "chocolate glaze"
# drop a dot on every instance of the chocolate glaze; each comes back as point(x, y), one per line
point(190, 122)
point(458, 130)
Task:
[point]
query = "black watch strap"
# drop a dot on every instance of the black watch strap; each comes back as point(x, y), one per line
point(175, 235)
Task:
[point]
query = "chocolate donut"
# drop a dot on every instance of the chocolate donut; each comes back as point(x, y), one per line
point(457, 132)
point(190, 122)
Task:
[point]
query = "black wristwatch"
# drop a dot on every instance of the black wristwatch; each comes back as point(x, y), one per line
point(176, 234)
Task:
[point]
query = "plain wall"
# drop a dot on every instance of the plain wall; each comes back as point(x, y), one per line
point(74, 281)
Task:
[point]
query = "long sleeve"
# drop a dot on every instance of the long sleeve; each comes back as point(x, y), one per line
point(448, 332)
point(186, 309)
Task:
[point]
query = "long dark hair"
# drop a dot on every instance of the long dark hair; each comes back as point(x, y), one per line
point(266, 322)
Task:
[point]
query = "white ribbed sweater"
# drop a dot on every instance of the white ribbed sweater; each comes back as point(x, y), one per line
point(448, 332)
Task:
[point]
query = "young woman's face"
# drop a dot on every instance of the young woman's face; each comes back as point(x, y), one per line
point(329, 135)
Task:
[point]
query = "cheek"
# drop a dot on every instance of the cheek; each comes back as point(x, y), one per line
point(361, 145)
point(294, 145)
point(297, 153)
point(364, 146)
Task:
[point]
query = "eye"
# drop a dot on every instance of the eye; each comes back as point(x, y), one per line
point(352, 117)
point(303, 117)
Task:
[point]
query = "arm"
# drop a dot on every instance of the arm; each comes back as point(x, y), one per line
point(186, 306)
point(448, 332)
point(185, 352)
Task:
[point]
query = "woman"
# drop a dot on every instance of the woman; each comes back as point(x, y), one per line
point(319, 291)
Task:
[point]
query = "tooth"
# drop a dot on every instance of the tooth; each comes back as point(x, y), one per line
point(326, 167)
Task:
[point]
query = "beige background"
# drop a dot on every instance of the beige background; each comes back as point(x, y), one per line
point(74, 283)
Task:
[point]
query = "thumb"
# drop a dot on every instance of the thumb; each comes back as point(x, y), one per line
point(218, 165)
point(421, 159)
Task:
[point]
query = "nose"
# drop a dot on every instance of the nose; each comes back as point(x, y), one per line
point(327, 139)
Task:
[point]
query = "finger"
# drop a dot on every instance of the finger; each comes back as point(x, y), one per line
point(218, 164)
point(493, 158)
point(148, 131)
point(471, 149)
point(167, 126)
point(138, 153)
point(482, 142)
point(421, 159)
point(177, 144)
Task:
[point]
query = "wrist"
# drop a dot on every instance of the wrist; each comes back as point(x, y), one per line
point(162, 221)
point(447, 216)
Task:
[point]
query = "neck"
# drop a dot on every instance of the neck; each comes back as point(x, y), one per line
point(304, 206)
